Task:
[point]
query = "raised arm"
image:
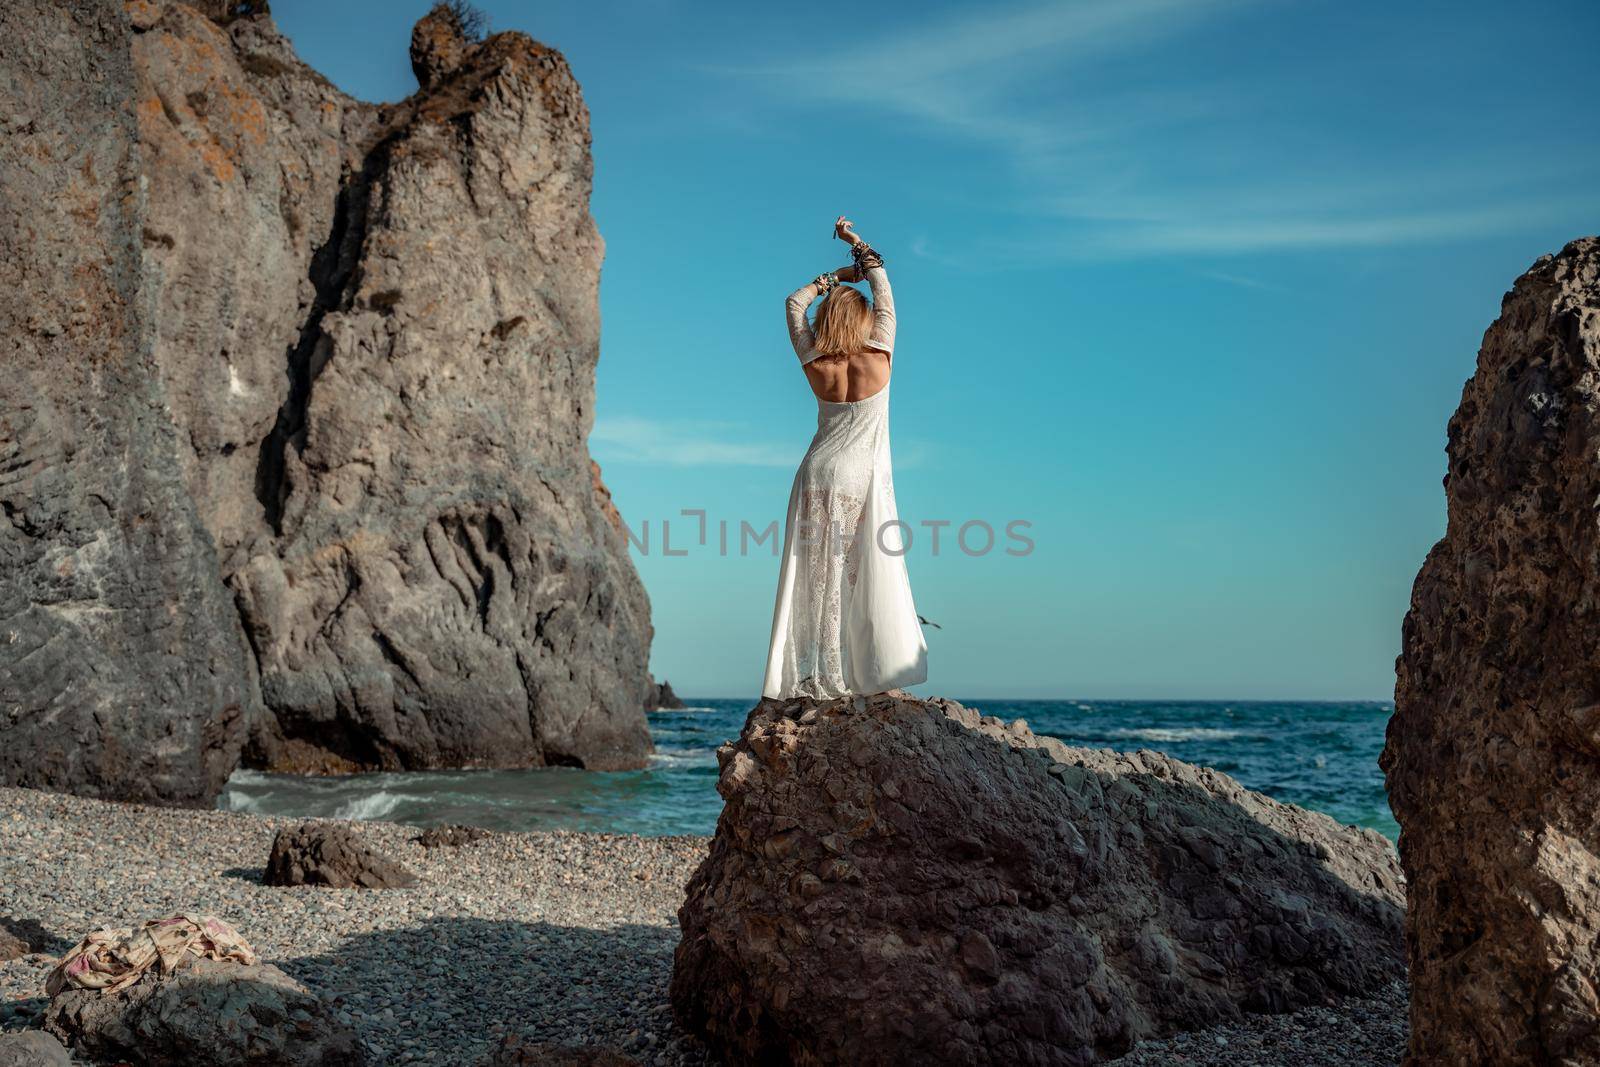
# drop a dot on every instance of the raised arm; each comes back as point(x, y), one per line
point(794, 308)
point(882, 336)
point(796, 304)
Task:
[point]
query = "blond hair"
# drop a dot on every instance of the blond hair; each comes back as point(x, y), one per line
point(844, 320)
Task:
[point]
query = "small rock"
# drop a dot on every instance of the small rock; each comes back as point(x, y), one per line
point(32, 1048)
point(330, 854)
point(450, 836)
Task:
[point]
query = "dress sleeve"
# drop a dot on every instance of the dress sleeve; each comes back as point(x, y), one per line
point(800, 335)
point(882, 336)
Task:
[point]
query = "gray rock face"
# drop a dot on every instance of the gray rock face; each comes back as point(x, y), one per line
point(329, 854)
point(1493, 753)
point(32, 1048)
point(900, 881)
point(309, 465)
point(123, 669)
point(207, 1014)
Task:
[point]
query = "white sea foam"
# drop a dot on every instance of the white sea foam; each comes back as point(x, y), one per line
point(679, 757)
point(1172, 734)
point(375, 806)
point(232, 800)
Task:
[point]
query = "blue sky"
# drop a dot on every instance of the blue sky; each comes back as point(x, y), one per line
point(1190, 286)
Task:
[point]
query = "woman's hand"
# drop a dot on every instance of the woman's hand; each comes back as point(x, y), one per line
point(843, 231)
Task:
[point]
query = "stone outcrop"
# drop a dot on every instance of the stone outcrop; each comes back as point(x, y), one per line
point(295, 456)
point(897, 880)
point(209, 1013)
point(661, 697)
point(1493, 753)
point(330, 854)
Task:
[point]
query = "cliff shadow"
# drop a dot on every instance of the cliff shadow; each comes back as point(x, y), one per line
point(457, 986)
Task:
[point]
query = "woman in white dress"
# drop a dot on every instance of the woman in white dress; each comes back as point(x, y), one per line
point(844, 621)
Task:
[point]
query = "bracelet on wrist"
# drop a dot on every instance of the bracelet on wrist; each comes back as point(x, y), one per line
point(865, 256)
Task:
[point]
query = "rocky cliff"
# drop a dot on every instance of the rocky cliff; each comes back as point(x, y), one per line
point(295, 451)
point(1493, 753)
point(998, 897)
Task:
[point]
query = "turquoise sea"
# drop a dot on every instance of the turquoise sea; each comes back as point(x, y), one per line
point(1318, 755)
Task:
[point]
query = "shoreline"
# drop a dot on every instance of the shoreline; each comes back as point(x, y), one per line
point(554, 936)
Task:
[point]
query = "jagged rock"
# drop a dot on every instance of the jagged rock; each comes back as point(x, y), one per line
point(302, 456)
point(207, 1014)
point(32, 1048)
point(451, 836)
point(898, 880)
point(123, 669)
point(329, 854)
point(1493, 752)
point(661, 696)
point(438, 45)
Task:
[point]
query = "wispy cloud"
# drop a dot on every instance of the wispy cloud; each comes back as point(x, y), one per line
point(1110, 161)
point(685, 443)
point(1240, 280)
point(702, 443)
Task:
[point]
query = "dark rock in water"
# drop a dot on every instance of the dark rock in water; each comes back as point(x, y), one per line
point(297, 412)
point(32, 1048)
point(662, 697)
point(207, 1014)
point(123, 669)
point(330, 854)
point(898, 880)
point(451, 836)
point(1493, 752)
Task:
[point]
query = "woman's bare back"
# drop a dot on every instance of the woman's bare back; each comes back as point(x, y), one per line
point(845, 379)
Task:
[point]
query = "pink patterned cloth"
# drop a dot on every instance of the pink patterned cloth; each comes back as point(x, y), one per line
point(110, 960)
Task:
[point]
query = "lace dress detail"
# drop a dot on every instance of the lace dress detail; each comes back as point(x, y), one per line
point(844, 621)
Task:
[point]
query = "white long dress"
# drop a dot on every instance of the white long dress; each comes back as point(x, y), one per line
point(844, 621)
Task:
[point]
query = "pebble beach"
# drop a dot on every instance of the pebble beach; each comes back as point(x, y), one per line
point(549, 937)
point(552, 937)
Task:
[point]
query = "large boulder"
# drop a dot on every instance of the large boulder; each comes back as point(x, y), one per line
point(293, 432)
point(209, 1013)
point(896, 880)
point(1493, 753)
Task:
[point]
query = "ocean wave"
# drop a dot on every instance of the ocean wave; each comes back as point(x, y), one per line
point(683, 757)
point(1171, 734)
point(242, 802)
point(376, 806)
